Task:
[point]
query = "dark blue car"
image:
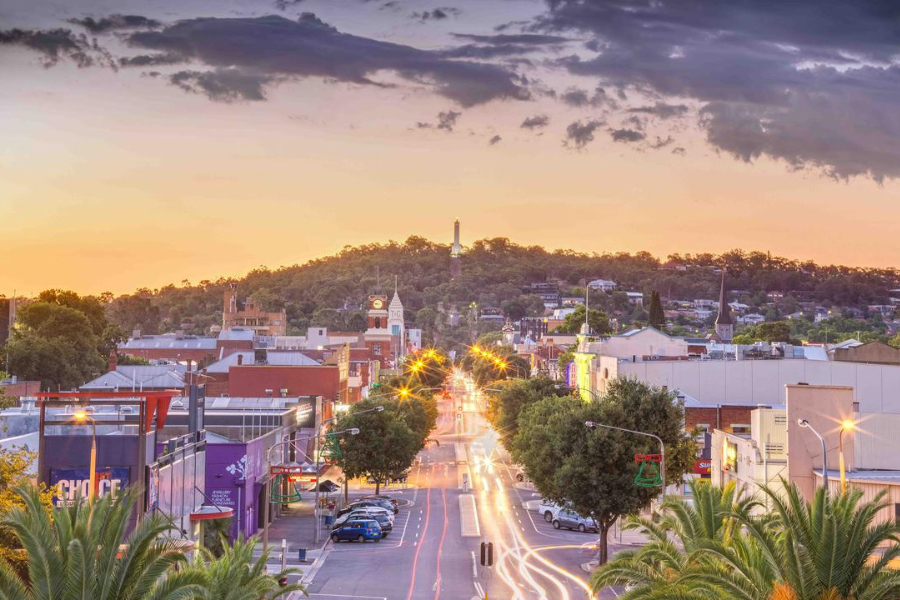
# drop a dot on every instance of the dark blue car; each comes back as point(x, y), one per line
point(357, 529)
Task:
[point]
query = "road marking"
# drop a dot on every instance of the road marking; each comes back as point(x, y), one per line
point(474, 566)
point(468, 516)
point(440, 551)
point(346, 596)
point(412, 582)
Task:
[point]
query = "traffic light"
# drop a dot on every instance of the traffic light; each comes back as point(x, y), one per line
point(487, 554)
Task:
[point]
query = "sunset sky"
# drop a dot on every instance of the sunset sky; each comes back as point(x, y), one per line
point(143, 143)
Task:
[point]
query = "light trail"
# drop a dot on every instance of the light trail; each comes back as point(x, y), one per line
point(437, 589)
point(412, 583)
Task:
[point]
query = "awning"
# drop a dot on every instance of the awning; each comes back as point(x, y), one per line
point(208, 512)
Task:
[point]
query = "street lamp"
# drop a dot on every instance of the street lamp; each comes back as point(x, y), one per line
point(662, 447)
point(81, 416)
point(846, 425)
point(805, 423)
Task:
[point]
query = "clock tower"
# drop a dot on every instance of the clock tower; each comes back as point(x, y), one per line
point(396, 325)
point(378, 334)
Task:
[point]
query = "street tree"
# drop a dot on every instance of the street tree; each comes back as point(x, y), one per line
point(595, 469)
point(16, 471)
point(385, 445)
point(656, 317)
point(506, 405)
point(427, 368)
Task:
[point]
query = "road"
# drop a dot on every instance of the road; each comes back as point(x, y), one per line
point(433, 551)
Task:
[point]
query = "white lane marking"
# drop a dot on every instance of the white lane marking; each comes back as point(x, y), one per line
point(474, 566)
point(346, 596)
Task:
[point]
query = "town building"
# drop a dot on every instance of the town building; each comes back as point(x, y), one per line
point(377, 337)
point(249, 315)
point(604, 285)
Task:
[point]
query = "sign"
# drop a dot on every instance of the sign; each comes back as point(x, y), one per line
point(68, 484)
point(305, 415)
point(702, 466)
point(729, 456)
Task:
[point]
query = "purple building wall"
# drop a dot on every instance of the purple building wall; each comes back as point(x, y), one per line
point(233, 479)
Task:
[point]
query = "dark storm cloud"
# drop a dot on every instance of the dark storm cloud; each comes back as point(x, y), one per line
point(274, 47)
point(662, 110)
point(580, 134)
point(113, 22)
point(494, 140)
point(446, 121)
point(535, 122)
point(54, 45)
point(222, 85)
point(627, 135)
point(491, 46)
point(810, 82)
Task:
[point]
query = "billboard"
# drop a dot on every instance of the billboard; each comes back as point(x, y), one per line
point(68, 484)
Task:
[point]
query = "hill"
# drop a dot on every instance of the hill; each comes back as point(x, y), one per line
point(329, 290)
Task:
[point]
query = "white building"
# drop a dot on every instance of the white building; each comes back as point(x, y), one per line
point(636, 298)
point(752, 319)
point(604, 285)
point(562, 313)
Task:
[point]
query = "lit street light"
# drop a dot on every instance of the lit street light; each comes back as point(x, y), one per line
point(846, 425)
point(662, 447)
point(805, 423)
point(81, 416)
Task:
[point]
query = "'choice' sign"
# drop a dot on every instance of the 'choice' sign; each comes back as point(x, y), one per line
point(68, 484)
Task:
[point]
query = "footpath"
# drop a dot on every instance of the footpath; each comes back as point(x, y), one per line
point(295, 527)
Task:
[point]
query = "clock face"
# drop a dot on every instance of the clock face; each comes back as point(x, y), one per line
point(377, 304)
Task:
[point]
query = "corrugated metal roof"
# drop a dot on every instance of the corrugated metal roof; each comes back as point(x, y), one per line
point(168, 342)
point(236, 334)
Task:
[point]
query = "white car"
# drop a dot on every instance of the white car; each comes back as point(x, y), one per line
point(549, 509)
point(368, 510)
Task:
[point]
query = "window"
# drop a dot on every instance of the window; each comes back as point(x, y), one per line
point(703, 427)
point(376, 350)
point(741, 428)
point(377, 322)
point(897, 512)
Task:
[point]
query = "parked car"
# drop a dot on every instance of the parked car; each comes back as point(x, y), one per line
point(370, 509)
point(385, 504)
point(548, 509)
point(567, 518)
point(393, 501)
point(521, 476)
point(359, 530)
point(384, 521)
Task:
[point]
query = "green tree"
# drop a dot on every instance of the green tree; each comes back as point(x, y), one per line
point(328, 318)
point(237, 575)
point(384, 446)
point(514, 309)
point(597, 319)
point(778, 331)
point(595, 469)
point(76, 554)
point(54, 344)
point(506, 405)
point(15, 472)
point(656, 316)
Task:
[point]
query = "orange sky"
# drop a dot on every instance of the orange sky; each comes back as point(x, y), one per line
point(110, 182)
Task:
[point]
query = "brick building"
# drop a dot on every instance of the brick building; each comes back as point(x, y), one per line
point(249, 315)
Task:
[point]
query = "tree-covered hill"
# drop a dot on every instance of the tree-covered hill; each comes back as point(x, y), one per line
point(330, 290)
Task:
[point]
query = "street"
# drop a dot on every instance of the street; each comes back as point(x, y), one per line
point(434, 549)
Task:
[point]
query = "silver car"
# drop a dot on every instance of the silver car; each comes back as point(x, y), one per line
point(569, 519)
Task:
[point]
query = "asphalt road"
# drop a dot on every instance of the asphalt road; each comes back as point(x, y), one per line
point(433, 551)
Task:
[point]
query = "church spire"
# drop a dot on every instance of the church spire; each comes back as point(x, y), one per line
point(724, 324)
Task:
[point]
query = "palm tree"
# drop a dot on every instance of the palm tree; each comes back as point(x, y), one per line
point(678, 537)
point(236, 576)
point(827, 549)
point(82, 553)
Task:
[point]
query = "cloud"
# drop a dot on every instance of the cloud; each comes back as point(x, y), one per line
point(662, 110)
point(662, 142)
point(494, 140)
point(580, 134)
point(145, 60)
point(627, 135)
point(54, 45)
point(528, 39)
point(813, 83)
point(275, 48)
point(283, 5)
point(578, 97)
point(511, 25)
point(446, 121)
point(222, 85)
point(679, 151)
point(535, 122)
point(438, 14)
point(114, 22)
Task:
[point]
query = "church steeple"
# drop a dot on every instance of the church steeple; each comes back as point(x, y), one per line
point(724, 324)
